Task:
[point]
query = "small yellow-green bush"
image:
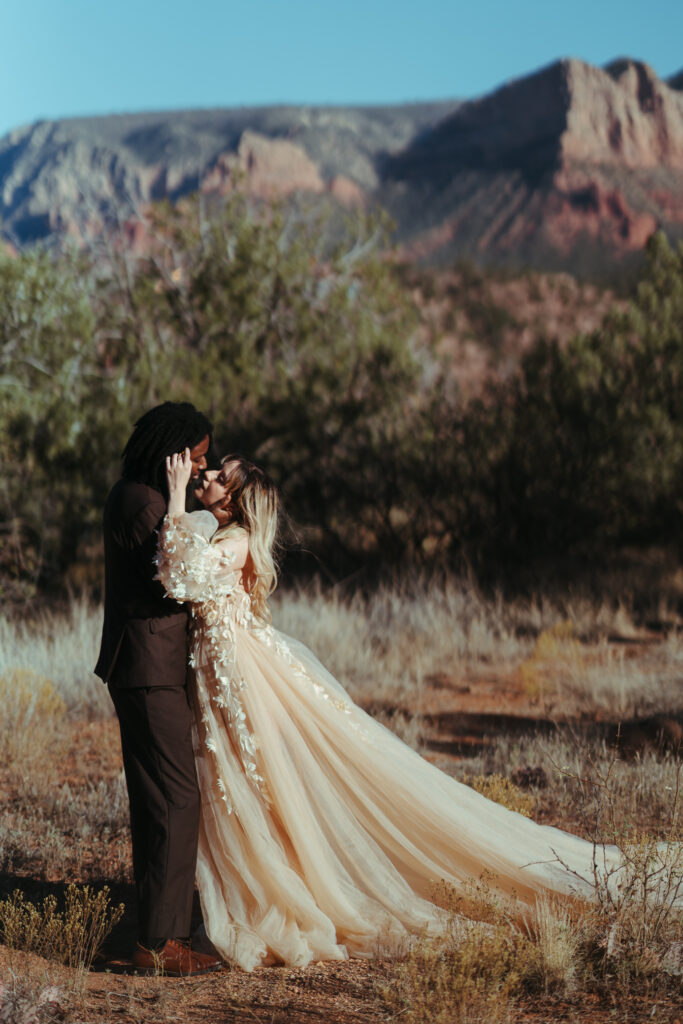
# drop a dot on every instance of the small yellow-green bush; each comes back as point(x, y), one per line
point(502, 791)
point(71, 936)
point(32, 715)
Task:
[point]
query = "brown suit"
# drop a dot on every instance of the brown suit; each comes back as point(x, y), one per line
point(143, 658)
point(144, 638)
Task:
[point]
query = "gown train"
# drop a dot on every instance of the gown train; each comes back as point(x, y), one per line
point(322, 835)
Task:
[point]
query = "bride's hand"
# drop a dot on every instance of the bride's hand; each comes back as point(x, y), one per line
point(178, 473)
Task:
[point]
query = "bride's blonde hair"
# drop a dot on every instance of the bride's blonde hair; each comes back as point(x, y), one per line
point(254, 503)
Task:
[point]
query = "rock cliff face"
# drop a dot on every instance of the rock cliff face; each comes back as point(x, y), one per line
point(623, 116)
point(67, 176)
point(572, 167)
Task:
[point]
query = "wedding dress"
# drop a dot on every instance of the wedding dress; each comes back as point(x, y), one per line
point(322, 835)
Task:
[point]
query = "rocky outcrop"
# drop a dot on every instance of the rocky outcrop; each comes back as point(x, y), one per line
point(572, 167)
point(623, 116)
point(269, 168)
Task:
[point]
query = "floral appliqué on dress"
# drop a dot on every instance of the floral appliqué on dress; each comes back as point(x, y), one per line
point(193, 570)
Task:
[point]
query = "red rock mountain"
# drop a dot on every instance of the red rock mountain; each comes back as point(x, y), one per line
point(571, 167)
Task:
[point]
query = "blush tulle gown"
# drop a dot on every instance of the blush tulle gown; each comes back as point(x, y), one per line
point(322, 835)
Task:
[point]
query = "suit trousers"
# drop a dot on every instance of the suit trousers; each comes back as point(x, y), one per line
point(158, 759)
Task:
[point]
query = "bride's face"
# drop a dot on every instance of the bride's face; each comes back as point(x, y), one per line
point(213, 489)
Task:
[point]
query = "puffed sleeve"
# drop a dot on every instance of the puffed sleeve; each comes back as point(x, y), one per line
point(190, 568)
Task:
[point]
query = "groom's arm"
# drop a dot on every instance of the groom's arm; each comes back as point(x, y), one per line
point(142, 514)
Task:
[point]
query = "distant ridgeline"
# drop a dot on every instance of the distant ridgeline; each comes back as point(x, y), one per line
point(571, 168)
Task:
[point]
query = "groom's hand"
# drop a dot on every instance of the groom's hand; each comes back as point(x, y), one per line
point(178, 473)
point(223, 515)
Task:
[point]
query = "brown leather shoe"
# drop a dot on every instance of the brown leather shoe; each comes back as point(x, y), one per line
point(176, 959)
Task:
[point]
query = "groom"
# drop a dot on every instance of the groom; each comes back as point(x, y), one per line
point(143, 659)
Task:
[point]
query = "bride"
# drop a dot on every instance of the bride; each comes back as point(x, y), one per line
point(321, 833)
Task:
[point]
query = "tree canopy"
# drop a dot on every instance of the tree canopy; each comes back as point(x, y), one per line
point(298, 341)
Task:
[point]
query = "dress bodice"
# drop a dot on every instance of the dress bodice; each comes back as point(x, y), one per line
point(194, 570)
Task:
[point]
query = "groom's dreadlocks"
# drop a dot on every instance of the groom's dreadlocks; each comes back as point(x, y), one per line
point(166, 429)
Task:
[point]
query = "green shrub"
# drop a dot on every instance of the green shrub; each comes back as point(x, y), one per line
point(298, 347)
point(581, 451)
point(297, 337)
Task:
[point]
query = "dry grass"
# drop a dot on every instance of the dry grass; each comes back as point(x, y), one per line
point(39, 993)
point(386, 644)
point(47, 951)
point(73, 831)
point(61, 647)
point(641, 790)
point(477, 973)
point(459, 981)
point(603, 679)
point(31, 707)
point(380, 645)
point(63, 816)
point(558, 938)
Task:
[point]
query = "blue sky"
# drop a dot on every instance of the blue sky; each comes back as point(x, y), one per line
point(67, 57)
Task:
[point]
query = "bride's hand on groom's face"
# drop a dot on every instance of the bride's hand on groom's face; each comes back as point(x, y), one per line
point(178, 473)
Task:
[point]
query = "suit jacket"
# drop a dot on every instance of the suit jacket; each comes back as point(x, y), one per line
point(144, 636)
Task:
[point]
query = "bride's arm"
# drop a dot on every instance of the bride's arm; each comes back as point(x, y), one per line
point(190, 568)
point(178, 473)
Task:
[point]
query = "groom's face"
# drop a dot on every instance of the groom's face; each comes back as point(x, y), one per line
point(198, 457)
